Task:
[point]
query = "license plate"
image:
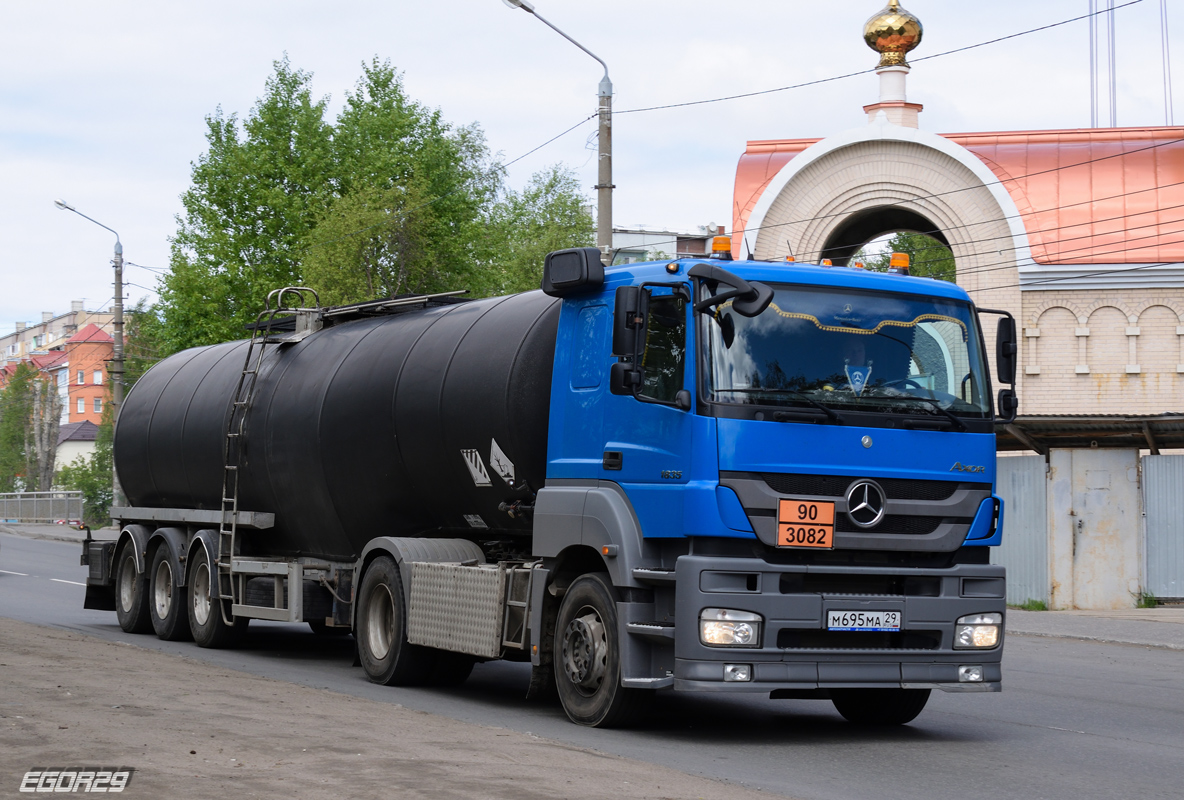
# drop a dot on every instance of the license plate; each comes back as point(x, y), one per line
point(863, 620)
point(805, 523)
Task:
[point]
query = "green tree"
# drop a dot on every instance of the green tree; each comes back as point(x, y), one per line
point(389, 198)
point(549, 214)
point(144, 341)
point(928, 258)
point(253, 202)
point(16, 412)
point(93, 475)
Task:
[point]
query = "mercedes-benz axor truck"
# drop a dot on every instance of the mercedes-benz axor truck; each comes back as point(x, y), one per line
point(697, 475)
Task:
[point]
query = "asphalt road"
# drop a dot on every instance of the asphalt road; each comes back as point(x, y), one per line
point(1075, 720)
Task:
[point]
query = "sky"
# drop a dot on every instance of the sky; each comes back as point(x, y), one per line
point(103, 104)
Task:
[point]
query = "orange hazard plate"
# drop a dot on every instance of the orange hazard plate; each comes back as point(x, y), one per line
point(805, 523)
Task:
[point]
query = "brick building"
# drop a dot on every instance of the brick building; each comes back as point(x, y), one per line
point(88, 353)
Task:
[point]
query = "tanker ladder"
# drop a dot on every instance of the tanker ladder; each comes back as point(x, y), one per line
point(308, 321)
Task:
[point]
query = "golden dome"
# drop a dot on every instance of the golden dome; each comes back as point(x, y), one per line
point(892, 33)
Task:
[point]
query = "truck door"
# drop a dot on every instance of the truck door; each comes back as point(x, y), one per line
point(647, 437)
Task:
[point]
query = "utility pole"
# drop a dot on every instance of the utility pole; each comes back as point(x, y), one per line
point(115, 371)
point(604, 172)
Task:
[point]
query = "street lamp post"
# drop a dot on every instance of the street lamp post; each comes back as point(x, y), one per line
point(604, 186)
point(117, 323)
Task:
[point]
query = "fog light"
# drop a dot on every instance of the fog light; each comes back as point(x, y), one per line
point(725, 627)
point(970, 673)
point(740, 672)
point(977, 631)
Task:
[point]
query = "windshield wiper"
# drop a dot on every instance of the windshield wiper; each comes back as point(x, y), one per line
point(935, 404)
point(782, 416)
point(831, 414)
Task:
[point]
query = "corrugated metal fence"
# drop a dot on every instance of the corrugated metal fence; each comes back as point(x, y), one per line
point(40, 506)
point(1163, 503)
point(1021, 483)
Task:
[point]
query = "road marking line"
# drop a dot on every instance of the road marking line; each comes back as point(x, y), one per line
point(73, 583)
point(22, 574)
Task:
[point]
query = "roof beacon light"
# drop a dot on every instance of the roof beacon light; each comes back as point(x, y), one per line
point(721, 248)
point(826, 262)
point(899, 264)
point(858, 265)
point(790, 259)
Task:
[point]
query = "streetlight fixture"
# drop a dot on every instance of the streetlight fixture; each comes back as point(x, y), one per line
point(117, 323)
point(604, 186)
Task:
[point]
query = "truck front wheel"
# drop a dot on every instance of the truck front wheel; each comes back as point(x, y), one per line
point(131, 592)
point(879, 706)
point(381, 630)
point(588, 657)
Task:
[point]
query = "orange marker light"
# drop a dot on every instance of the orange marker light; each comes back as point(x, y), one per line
point(826, 262)
point(899, 260)
point(790, 258)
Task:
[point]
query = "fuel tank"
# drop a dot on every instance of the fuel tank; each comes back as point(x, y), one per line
point(418, 423)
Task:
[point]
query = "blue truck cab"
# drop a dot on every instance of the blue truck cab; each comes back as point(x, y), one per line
point(788, 471)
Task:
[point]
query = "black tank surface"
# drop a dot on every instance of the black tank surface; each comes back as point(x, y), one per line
point(414, 424)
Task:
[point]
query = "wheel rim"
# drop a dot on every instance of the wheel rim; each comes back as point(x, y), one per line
point(380, 622)
point(585, 651)
point(162, 590)
point(201, 593)
point(127, 582)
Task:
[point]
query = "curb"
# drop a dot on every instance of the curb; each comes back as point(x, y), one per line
point(1100, 639)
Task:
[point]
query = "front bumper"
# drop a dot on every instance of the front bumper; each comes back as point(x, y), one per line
point(798, 653)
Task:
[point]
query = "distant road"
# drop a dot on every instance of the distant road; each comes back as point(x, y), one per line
point(1076, 719)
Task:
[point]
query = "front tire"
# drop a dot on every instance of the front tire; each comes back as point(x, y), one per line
point(381, 631)
point(205, 609)
point(168, 603)
point(588, 657)
point(131, 593)
point(879, 706)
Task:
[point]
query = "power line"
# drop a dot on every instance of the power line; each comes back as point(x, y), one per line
point(1090, 15)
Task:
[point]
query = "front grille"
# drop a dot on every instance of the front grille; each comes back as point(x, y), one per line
point(907, 526)
point(791, 639)
point(836, 486)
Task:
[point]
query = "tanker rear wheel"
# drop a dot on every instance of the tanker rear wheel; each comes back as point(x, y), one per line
point(131, 593)
point(205, 612)
point(381, 631)
point(588, 657)
point(168, 604)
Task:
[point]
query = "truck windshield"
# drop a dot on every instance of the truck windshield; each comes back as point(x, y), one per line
point(848, 349)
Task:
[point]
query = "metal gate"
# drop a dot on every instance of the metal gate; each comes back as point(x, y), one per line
point(1022, 483)
point(1163, 504)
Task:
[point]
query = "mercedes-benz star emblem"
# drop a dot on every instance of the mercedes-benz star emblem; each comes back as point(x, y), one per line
point(865, 503)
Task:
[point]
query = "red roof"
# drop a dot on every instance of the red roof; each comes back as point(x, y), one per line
point(91, 333)
point(50, 360)
point(1082, 200)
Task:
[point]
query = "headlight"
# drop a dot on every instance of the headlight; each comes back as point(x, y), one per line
point(725, 627)
point(977, 631)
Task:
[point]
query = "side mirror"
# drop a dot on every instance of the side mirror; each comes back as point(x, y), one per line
point(1005, 349)
point(624, 378)
point(628, 319)
point(568, 272)
point(748, 299)
point(1008, 405)
point(682, 400)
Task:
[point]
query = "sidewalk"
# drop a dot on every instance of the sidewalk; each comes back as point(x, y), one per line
point(1149, 627)
point(56, 533)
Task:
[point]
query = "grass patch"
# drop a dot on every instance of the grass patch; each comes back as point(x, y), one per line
point(1032, 605)
point(1147, 600)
